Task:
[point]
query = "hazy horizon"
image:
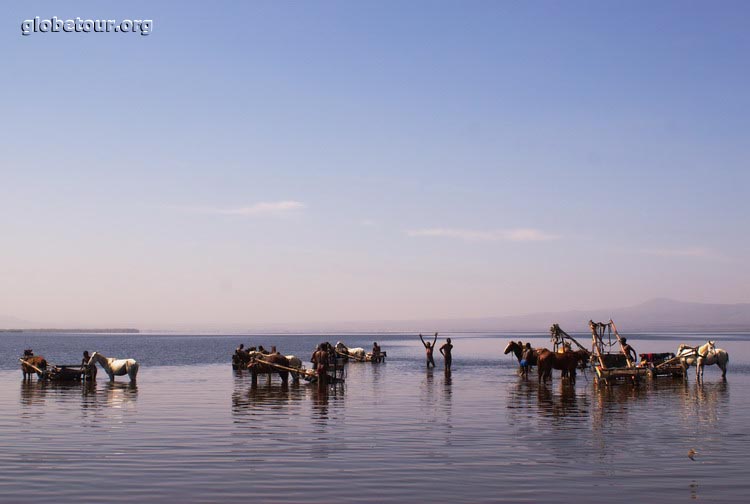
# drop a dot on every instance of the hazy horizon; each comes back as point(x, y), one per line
point(272, 162)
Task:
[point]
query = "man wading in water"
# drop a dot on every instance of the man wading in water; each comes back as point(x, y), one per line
point(89, 372)
point(526, 357)
point(428, 349)
point(445, 351)
point(320, 359)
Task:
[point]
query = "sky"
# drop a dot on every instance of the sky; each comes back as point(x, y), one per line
point(282, 162)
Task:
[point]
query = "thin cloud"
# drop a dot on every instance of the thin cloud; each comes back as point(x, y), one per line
point(677, 252)
point(256, 209)
point(511, 235)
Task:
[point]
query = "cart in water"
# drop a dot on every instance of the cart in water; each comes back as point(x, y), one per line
point(612, 366)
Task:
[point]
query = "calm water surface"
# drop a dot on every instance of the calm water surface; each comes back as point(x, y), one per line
point(195, 431)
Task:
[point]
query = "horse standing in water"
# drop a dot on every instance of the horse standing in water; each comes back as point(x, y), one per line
point(708, 355)
point(517, 349)
point(688, 355)
point(37, 363)
point(115, 367)
point(566, 361)
point(268, 364)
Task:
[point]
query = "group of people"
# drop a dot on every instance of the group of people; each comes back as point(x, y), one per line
point(324, 356)
point(323, 359)
point(242, 350)
point(38, 364)
point(445, 351)
point(528, 354)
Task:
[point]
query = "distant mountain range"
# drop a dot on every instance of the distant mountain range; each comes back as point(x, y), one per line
point(654, 315)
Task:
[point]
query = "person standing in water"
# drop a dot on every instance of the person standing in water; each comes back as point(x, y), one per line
point(526, 357)
point(376, 354)
point(320, 362)
point(445, 351)
point(429, 349)
point(89, 373)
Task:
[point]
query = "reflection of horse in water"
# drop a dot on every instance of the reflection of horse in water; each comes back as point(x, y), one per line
point(560, 405)
point(90, 395)
point(115, 367)
point(705, 355)
point(566, 361)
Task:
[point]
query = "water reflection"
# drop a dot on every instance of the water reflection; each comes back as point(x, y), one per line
point(704, 403)
point(562, 404)
point(447, 407)
point(556, 401)
point(254, 401)
point(274, 398)
point(90, 393)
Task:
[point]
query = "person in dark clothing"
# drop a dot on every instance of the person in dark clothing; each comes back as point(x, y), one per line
point(89, 373)
point(445, 351)
point(376, 354)
point(320, 362)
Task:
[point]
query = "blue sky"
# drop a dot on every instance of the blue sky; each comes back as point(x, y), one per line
point(254, 162)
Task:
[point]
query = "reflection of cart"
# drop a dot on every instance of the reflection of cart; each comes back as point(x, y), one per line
point(335, 370)
point(612, 366)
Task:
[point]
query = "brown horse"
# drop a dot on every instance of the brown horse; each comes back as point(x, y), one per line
point(35, 360)
point(517, 348)
point(565, 361)
point(264, 364)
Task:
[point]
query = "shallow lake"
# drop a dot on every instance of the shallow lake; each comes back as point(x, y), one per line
point(193, 430)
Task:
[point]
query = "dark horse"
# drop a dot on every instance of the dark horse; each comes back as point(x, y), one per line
point(566, 361)
point(264, 364)
point(517, 348)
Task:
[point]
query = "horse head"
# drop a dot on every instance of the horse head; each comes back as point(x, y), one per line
point(510, 347)
point(94, 358)
point(709, 347)
point(28, 353)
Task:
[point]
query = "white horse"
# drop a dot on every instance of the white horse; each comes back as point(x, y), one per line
point(688, 355)
point(358, 353)
point(115, 367)
point(708, 355)
point(296, 363)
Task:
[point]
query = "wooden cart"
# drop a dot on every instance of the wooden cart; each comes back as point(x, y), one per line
point(612, 367)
